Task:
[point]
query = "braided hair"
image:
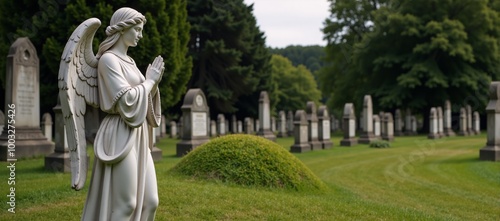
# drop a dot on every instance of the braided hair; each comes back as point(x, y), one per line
point(122, 19)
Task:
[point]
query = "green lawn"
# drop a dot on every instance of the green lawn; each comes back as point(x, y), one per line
point(414, 179)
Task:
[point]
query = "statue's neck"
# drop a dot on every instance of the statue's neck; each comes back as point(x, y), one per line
point(120, 49)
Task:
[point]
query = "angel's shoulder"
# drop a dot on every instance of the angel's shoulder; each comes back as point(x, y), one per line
point(109, 60)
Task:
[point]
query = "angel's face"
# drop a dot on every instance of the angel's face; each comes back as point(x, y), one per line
point(132, 35)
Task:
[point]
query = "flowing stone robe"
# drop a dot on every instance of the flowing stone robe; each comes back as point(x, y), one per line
point(124, 175)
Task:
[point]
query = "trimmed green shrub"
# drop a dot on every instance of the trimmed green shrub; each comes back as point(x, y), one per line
point(380, 144)
point(249, 161)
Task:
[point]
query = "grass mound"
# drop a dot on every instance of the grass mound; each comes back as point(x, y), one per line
point(250, 161)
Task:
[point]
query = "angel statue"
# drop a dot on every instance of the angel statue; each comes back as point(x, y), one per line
point(123, 184)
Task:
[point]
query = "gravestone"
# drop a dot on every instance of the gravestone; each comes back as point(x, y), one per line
point(389, 127)
point(447, 129)
point(227, 126)
point(2, 121)
point(349, 126)
point(213, 128)
point(273, 124)
point(469, 119)
point(195, 121)
point(408, 122)
point(463, 123)
point(221, 124)
point(282, 124)
point(240, 127)
point(376, 126)
point(433, 124)
point(440, 129)
point(477, 123)
point(234, 124)
point(59, 161)
point(398, 123)
point(301, 133)
point(256, 124)
point(312, 120)
point(163, 126)
point(324, 127)
point(290, 123)
point(248, 125)
point(414, 125)
point(491, 151)
point(265, 117)
point(173, 129)
point(367, 135)
point(22, 104)
point(47, 126)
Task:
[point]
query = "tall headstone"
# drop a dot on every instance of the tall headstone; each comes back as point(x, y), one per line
point(447, 129)
point(248, 125)
point(469, 119)
point(282, 124)
point(433, 124)
point(491, 151)
point(349, 126)
point(463, 123)
point(59, 160)
point(273, 124)
point(195, 121)
point(173, 129)
point(22, 102)
point(312, 120)
point(408, 123)
point(240, 127)
point(376, 126)
point(213, 128)
point(265, 117)
point(440, 121)
point(367, 135)
point(388, 127)
point(301, 141)
point(476, 123)
point(289, 123)
point(221, 124)
point(234, 124)
point(163, 126)
point(324, 127)
point(47, 126)
point(256, 124)
point(398, 123)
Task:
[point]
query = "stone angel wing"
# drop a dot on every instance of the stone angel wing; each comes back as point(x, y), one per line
point(77, 83)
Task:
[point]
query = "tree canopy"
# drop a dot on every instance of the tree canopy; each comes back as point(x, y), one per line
point(309, 56)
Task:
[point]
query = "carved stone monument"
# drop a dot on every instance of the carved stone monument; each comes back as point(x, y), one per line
point(22, 90)
point(265, 117)
point(463, 123)
point(213, 128)
point(248, 125)
point(282, 124)
point(367, 135)
point(289, 123)
point(433, 124)
point(376, 126)
point(388, 127)
point(312, 120)
point(300, 133)
point(469, 119)
point(240, 127)
point(173, 129)
point(234, 124)
point(440, 122)
point(492, 149)
point(221, 124)
point(324, 127)
point(195, 121)
point(447, 129)
point(477, 123)
point(47, 126)
point(349, 126)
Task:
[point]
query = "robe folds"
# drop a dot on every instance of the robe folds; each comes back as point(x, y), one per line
point(123, 138)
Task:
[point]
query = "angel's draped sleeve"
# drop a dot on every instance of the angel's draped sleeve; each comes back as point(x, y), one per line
point(126, 93)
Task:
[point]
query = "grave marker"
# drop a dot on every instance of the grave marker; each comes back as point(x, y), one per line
point(195, 121)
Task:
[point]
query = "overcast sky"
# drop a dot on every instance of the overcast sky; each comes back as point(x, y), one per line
point(291, 22)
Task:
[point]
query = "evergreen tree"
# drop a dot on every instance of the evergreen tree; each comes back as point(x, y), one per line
point(309, 56)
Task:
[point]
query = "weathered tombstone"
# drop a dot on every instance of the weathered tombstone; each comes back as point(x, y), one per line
point(163, 126)
point(301, 133)
point(213, 128)
point(433, 124)
point(477, 124)
point(376, 126)
point(240, 127)
point(463, 123)
point(256, 124)
point(22, 102)
point(398, 123)
point(265, 117)
point(290, 124)
point(349, 126)
point(469, 119)
point(47, 126)
point(2, 121)
point(447, 130)
point(312, 120)
point(195, 121)
point(491, 151)
point(273, 124)
point(324, 127)
point(173, 129)
point(408, 122)
point(234, 124)
point(440, 129)
point(367, 135)
point(389, 127)
point(59, 160)
point(221, 124)
point(248, 125)
point(282, 124)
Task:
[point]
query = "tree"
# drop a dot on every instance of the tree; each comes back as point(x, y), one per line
point(231, 63)
point(49, 24)
point(296, 85)
point(309, 56)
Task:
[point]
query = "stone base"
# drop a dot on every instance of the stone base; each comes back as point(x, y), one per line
point(367, 138)
point(28, 144)
point(300, 148)
point(185, 146)
point(316, 145)
point(348, 142)
point(388, 138)
point(58, 162)
point(490, 153)
point(433, 136)
point(449, 132)
point(327, 144)
point(156, 153)
point(268, 134)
